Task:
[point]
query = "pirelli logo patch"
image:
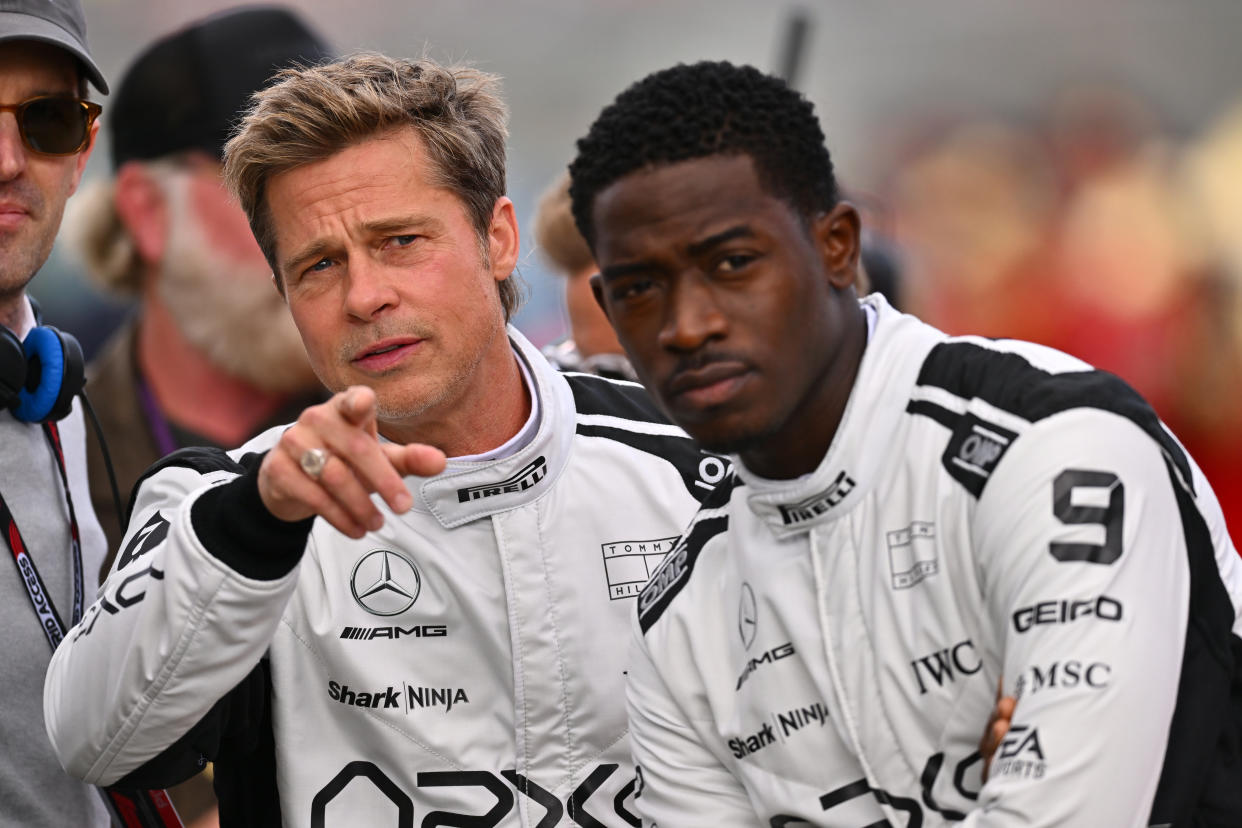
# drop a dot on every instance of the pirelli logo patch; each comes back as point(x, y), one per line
point(817, 504)
point(527, 477)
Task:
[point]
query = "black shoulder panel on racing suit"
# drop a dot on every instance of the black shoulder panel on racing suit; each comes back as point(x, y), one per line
point(628, 402)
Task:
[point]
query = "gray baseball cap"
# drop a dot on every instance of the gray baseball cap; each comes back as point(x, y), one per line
point(58, 22)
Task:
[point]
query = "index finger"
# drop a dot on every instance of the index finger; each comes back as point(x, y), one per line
point(357, 405)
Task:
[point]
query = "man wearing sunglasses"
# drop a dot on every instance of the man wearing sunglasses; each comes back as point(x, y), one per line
point(47, 129)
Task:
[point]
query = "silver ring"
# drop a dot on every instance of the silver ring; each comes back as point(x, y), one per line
point(313, 461)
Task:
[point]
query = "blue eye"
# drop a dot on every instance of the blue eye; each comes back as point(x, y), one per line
point(322, 264)
point(404, 241)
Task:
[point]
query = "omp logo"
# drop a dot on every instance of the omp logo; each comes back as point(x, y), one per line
point(528, 476)
point(385, 583)
point(390, 633)
point(912, 554)
point(628, 564)
point(818, 504)
point(664, 578)
point(404, 697)
point(974, 451)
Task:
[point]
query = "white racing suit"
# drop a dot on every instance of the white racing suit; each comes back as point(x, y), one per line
point(462, 666)
point(826, 651)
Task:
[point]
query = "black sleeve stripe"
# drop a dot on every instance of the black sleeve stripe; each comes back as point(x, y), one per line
point(1199, 779)
point(597, 395)
point(197, 458)
point(681, 452)
point(948, 419)
point(234, 525)
point(674, 573)
point(1011, 383)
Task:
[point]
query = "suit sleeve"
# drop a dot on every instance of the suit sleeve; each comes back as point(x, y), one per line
point(182, 621)
point(1083, 551)
point(681, 783)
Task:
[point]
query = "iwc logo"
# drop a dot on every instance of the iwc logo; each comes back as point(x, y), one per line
point(747, 616)
point(385, 583)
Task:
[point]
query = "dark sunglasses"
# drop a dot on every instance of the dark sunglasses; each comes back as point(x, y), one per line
point(54, 124)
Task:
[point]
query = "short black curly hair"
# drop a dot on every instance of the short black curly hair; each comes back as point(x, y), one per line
point(701, 109)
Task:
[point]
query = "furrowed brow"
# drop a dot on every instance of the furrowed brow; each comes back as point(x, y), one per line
point(740, 231)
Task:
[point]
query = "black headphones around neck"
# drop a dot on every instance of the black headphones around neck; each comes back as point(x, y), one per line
point(40, 377)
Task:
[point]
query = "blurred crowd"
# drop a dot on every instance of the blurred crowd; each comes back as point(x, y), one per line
point(1095, 230)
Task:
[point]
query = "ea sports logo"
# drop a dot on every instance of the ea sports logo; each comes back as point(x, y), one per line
point(385, 583)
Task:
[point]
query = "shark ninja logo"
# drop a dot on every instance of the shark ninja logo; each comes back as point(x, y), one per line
point(385, 583)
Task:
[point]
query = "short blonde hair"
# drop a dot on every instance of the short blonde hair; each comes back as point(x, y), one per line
point(555, 232)
point(311, 113)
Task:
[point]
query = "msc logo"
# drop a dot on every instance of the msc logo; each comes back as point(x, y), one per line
point(385, 583)
point(818, 504)
point(531, 474)
point(1064, 675)
point(628, 564)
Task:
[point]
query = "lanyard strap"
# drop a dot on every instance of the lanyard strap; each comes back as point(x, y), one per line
point(53, 625)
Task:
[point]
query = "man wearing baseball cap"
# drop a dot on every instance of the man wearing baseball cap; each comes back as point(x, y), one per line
point(47, 129)
point(211, 357)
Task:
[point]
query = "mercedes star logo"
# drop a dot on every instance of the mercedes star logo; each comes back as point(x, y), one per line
point(385, 583)
point(747, 616)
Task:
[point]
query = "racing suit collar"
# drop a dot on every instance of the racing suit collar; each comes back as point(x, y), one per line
point(466, 491)
point(858, 450)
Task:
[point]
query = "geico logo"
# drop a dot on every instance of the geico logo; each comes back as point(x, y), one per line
point(1064, 674)
point(390, 698)
point(775, 654)
point(1062, 612)
point(496, 797)
point(529, 475)
point(416, 631)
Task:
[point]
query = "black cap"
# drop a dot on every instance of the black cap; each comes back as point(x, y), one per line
point(58, 22)
point(189, 89)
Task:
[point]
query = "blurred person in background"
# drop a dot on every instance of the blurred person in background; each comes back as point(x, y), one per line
point(210, 356)
point(47, 130)
point(591, 346)
point(1086, 230)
